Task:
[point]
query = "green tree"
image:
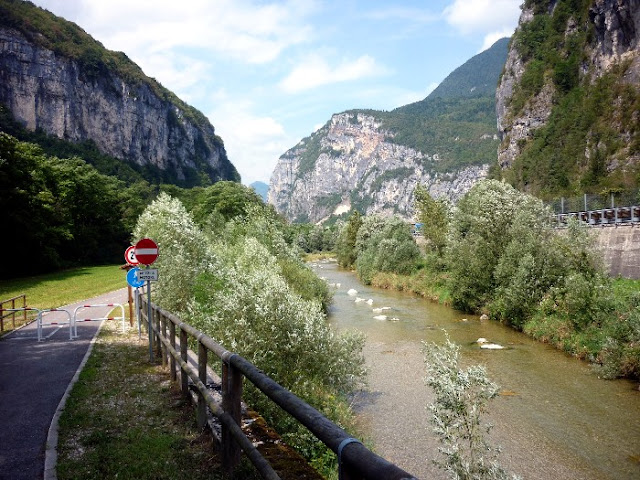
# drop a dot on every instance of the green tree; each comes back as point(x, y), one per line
point(434, 216)
point(480, 231)
point(385, 245)
point(245, 286)
point(65, 212)
point(230, 199)
point(346, 241)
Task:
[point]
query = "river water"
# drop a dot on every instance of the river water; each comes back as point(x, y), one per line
point(554, 419)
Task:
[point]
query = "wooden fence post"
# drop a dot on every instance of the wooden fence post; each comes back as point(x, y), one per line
point(156, 321)
point(172, 341)
point(231, 397)
point(13, 316)
point(183, 354)
point(165, 352)
point(202, 374)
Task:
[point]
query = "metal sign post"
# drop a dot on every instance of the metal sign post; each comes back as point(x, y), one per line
point(146, 252)
point(149, 319)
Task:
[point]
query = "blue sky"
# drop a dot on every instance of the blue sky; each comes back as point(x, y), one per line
point(268, 73)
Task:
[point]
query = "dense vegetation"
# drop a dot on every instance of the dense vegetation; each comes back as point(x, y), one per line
point(593, 131)
point(550, 285)
point(62, 212)
point(231, 273)
point(478, 76)
point(65, 213)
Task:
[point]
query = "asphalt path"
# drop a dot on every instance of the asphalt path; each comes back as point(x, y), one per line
point(33, 379)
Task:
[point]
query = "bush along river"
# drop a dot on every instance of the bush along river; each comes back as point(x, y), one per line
point(554, 418)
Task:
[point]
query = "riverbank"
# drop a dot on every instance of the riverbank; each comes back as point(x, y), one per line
point(554, 417)
point(612, 346)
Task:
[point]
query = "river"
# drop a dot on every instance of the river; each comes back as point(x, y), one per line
point(554, 419)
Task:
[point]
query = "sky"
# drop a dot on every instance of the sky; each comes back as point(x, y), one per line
point(268, 73)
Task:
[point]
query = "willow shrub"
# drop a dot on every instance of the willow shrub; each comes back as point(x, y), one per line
point(233, 284)
point(480, 232)
point(385, 245)
point(461, 400)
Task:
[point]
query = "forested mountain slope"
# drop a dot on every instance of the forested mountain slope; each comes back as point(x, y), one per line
point(371, 161)
point(568, 104)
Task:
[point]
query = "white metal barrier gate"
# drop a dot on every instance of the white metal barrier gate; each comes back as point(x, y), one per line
point(75, 316)
point(61, 324)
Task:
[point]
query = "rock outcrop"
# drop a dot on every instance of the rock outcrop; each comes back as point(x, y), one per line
point(371, 161)
point(615, 25)
point(351, 163)
point(127, 120)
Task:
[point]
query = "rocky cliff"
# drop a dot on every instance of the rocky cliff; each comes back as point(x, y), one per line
point(357, 166)
point(372, 161)
point(83, 96)
point(567, 103)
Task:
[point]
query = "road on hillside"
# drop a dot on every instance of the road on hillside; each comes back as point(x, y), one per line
point(33, 378)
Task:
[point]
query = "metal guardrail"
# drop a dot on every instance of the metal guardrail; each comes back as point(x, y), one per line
point(603, 217)
point(593, 202)
point(355, 461)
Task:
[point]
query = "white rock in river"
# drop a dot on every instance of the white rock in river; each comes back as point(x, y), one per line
point(492, 346)
point(370, 301)
point(381, 309)
point(352, 292)
point(380, 317)
point(358, 299)
point(482, 340)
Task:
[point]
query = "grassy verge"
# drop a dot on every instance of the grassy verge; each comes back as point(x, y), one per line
point(55, 289)
point(124, 419)
point(423, 282)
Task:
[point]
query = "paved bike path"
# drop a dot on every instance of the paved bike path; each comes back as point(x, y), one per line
point(33, 379)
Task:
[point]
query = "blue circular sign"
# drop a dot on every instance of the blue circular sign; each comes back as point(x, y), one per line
point(132, 278)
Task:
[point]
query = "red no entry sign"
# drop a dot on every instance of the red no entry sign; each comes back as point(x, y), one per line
point(146, 251)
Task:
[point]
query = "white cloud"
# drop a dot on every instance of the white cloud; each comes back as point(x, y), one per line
point(182, 73)
point(315, 71)
point(253, 143)
point(493, 37)
point(483, 16)
point(414, 15)
point(246, 30)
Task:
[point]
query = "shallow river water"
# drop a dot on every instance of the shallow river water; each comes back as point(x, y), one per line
point(554, 419)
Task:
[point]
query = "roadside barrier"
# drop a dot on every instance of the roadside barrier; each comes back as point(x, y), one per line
point(61, 324)
point(23, 309)
point(355, 461)
point(13, 310)
point(76, 320)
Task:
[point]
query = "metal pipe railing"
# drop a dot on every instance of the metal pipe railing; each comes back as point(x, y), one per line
point(355, 461)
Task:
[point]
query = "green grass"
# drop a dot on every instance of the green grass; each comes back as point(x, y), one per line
point(56, 289)
point(124, 419)
point(624, 288)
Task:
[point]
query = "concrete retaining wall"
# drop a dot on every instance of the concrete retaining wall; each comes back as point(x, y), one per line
point(620, 247)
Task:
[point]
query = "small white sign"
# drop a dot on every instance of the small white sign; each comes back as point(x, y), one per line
point(148, 274)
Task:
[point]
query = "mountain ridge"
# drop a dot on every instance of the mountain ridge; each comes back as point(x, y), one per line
point(371, 161)
point(568, 101)
point(56, 78)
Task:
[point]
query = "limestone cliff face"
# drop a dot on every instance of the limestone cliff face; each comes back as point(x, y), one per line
point(615, 25)
point(350, 163)
point(45, 90)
